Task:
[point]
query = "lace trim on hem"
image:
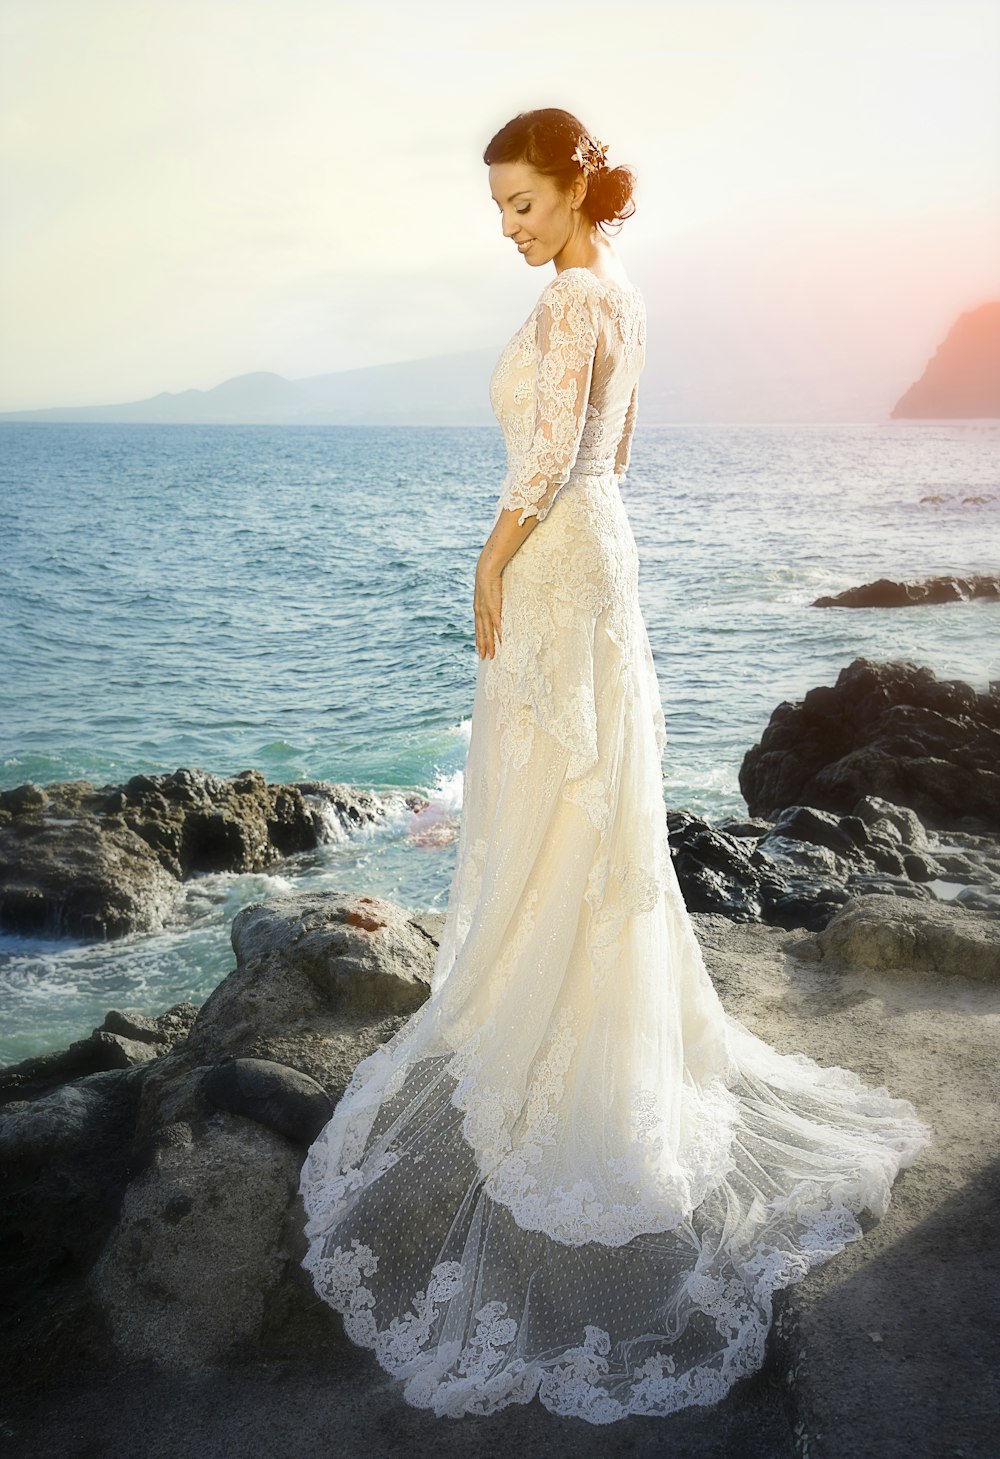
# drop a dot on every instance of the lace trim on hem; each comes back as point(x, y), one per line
point(483, 1375)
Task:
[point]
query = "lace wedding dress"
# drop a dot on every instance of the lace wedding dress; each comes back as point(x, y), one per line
point(571, 1173)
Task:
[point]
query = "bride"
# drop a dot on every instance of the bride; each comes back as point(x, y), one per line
point(571, 1174)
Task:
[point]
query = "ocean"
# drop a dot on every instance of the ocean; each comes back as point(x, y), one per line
point(299, 600)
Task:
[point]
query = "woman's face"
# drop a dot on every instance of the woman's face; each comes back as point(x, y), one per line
point(533, 210)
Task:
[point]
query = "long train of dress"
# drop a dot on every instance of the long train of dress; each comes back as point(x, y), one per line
point(571, 1173)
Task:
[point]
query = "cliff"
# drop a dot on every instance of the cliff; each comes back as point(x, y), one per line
point(962, 378)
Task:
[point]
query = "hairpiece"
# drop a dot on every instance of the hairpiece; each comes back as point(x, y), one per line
point(591, 155)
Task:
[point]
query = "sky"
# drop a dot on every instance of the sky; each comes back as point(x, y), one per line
point(191, 191)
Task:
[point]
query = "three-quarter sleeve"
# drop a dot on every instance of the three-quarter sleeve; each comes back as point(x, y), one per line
point(624, 450)
point(565, 346)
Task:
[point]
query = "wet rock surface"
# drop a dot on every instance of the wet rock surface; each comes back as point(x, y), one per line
point(800, 868)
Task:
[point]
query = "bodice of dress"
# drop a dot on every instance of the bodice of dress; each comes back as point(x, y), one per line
point(565, 388)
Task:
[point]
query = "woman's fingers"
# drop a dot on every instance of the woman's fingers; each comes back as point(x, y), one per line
point(484, 635)
point(482, 632)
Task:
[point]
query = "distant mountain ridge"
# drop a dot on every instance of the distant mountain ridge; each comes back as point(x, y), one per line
point(444, 389)
point(692, 375)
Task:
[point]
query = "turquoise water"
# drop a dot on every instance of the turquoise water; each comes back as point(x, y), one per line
point(298, 599)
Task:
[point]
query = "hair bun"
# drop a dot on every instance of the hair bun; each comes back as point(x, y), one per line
point(610, 195)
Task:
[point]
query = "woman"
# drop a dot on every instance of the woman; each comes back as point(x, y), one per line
point(571, 1174)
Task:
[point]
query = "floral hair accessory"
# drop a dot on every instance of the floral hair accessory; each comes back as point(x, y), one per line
point(592, 156)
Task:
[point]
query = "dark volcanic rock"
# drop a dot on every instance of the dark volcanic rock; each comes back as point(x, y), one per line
point(147, 1213)
point(888, 593)
point(801, 868)
point(272, 1094)
point(890, 730)
point(716, 869)
point(98, 863)
point(66, 1160)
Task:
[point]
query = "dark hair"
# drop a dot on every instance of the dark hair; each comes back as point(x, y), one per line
point(546, 138)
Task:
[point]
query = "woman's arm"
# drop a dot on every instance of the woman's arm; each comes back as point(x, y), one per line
point(565, 346)
point(624, 451)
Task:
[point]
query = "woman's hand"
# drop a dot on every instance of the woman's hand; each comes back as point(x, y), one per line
point(505, 539)
point(486, 605)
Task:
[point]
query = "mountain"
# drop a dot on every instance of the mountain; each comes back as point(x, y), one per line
point(443, 390)
point(962, 378)
point(703, 366)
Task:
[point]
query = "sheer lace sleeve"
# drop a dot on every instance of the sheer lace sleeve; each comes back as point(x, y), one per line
point(624, 450)
point(566, 342)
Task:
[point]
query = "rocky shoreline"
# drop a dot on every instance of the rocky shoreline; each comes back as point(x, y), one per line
point(149, 1215)
point(888, 781)
point(100, 862)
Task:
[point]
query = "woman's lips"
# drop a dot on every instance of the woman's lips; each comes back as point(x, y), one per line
point(523, 247)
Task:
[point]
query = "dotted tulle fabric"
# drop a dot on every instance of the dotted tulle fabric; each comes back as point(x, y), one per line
point(571, 1174)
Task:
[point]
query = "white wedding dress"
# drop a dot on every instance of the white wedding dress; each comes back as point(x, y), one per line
point(571, 1173)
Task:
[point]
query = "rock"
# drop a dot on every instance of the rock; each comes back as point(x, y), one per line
point(320, 982)
point(184, 1277)
point(165, 1029)
point(888, 593)
point(891, 822)
point(893, 731)
point(364, 955)
point(64, 874)
point(272, 1094)
point(715, 870)
point(178, 1171)
point(44, 1129)
point(887, 935)
point(800, 902)
point(801, 868)
point(65, 1164)
point(121, 1040)
point(316, 979)
point(100, 863)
